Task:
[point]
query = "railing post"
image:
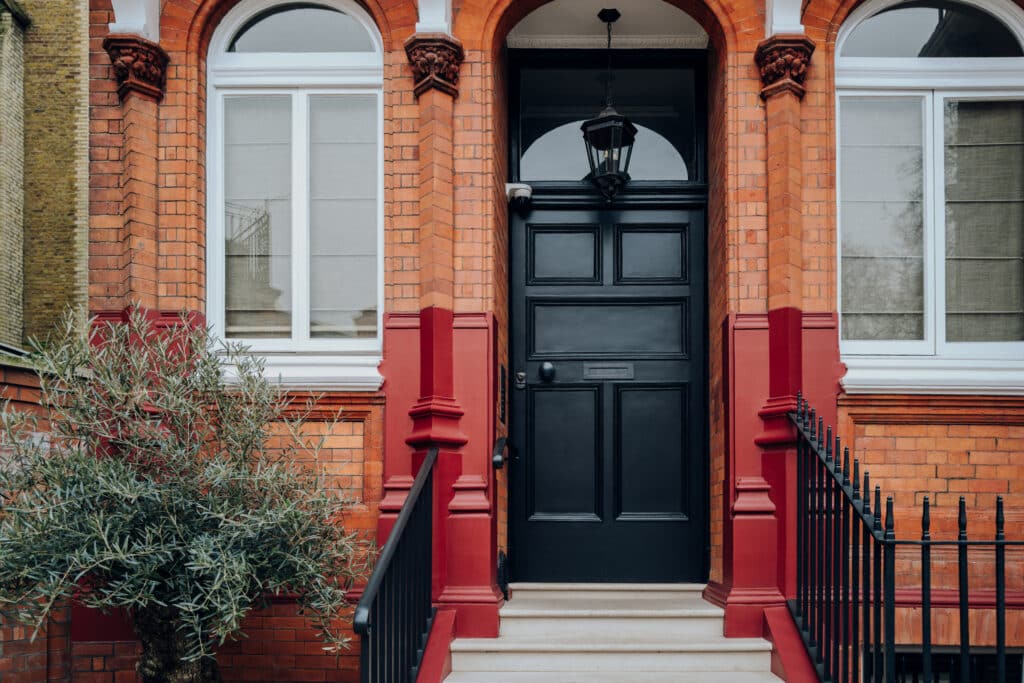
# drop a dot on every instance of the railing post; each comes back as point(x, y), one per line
point(890, 593)
point(1000, 594)
point(926, 592)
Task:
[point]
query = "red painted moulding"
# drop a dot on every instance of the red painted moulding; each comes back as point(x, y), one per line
point(417, 372)
point(790, 661)
point(757, 497)
point(437, 658)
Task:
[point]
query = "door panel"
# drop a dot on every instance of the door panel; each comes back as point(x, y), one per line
point(609, 478)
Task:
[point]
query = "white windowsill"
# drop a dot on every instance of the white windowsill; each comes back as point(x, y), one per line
point(323, 372)
point(931, 375)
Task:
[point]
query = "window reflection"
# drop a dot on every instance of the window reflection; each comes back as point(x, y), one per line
point(932, 29)
point(302, 28)
point(558, 155)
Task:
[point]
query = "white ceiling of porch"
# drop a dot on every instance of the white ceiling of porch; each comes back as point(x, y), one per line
point(574, 24)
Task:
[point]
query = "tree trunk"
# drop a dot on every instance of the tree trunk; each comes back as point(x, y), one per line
point(163, 648)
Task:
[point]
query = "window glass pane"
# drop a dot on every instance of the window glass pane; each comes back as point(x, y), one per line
point(932, 29)
point(257, 216)
point(984, 169)
point(881, 209)
point(302, 28)
point(554, 104)
point(344, 175)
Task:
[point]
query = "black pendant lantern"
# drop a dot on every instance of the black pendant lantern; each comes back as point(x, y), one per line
point(609, 137)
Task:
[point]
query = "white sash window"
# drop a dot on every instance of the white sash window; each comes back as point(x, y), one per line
point(930, 164)
point(295, 189)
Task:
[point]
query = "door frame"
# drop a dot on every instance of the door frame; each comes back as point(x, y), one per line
point(690, 194)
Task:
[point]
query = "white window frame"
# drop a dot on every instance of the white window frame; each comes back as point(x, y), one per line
point(931, 365)
point(301, 362)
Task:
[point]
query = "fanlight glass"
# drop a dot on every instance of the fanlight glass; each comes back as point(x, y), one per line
point(302, 28)
point(932, 28)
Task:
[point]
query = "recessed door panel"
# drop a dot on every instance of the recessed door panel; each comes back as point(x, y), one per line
point(565, 437)
point(652, 463)
point(596, 328)
point(565, 254)
point(651, 253)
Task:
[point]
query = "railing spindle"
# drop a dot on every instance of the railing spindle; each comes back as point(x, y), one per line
point(877, 581)
point(855, 559)
point(869, 661)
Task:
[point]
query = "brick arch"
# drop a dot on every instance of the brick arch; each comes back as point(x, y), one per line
point(736, 226)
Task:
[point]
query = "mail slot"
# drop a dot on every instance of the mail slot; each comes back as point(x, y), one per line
point(607, 371)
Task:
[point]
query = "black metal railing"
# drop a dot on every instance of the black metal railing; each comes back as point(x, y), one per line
point(845, 606)
point(395, 613)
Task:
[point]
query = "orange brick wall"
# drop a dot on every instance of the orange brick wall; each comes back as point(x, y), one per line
point(946, 448)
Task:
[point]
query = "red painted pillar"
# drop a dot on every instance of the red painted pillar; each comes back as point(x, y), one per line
point(758, 569)
point(464, 578)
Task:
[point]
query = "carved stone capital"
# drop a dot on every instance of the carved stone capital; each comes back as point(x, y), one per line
point(435, 59)
point(140, 65)
point(783, 61)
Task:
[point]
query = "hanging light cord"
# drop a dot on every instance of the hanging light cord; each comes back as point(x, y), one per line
point(608, 75)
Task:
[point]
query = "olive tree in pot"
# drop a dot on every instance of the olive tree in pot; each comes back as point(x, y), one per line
point(155, 486)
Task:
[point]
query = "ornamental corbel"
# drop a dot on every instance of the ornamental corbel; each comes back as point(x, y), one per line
point(783, 61)
point(140, 65)
point(435, 59)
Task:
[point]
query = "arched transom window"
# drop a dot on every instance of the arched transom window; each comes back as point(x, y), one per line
point(931, 196)
point(295, 185)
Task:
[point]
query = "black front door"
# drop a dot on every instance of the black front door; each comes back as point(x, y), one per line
point(609, 478)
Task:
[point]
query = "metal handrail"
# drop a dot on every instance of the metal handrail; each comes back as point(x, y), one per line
point(846, 571)
point(398, 595)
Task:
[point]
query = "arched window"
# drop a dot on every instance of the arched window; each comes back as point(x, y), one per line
point(295, 188)
point(931, 196)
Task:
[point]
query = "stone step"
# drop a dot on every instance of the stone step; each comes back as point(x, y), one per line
point(591, 591)
point(608, 625)
point(626, 655)
point(611, 677)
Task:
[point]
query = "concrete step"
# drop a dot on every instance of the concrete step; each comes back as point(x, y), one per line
point(614, 677)
point(626, 655)
point(590, 591)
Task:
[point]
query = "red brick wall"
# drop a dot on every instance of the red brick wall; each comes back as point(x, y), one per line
point(27, 660)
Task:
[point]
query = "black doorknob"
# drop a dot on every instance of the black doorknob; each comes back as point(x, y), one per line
point(547, 371)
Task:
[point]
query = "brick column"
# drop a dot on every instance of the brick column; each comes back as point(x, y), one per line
point(464, 558)
point(758, 562)
point(141, 70)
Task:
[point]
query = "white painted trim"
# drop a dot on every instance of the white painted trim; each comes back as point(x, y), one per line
point(782, 16)
point(435, 16)
point(141, 17)
point(578, 42)
point(322, 372)
point(929, 74)
point(929, 375)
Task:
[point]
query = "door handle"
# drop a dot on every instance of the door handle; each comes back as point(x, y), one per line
point(547, 371)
